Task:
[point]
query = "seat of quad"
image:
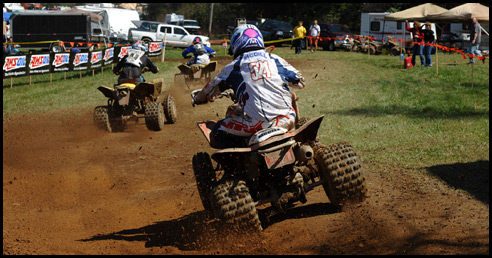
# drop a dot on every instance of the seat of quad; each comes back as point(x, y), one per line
point(206, 68)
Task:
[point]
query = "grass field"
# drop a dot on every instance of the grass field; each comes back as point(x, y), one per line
point(412, 119)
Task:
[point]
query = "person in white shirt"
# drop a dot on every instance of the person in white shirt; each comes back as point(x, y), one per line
point(260, 81)
point(314, 32)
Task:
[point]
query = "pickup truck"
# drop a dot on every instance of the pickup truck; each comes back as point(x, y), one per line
point(191, 26)
point(154, 31)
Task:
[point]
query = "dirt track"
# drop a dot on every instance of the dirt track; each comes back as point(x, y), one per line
point(70, 189)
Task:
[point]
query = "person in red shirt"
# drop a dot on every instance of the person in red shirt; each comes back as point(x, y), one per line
point(418, 41)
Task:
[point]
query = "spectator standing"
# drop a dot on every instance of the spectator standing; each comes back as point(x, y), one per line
point(475, 39)
point(299, 32)
point(418, 41)
point(314, 31)
point(428, 39)
point(9, 49)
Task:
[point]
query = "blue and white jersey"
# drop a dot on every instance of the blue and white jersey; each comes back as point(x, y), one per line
point(260, 81)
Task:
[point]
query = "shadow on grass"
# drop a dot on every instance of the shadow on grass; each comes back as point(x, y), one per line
point(472, 177)
point(196, 231)
point(426, 112)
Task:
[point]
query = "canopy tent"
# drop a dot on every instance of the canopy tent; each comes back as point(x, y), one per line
point(417, 13)
point(463, 13)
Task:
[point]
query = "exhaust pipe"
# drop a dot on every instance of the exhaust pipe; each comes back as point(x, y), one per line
point(304, 153)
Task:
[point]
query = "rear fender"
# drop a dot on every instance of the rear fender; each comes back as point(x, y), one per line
point(305, 133)
point(108, 92)
point(206, 127)
point(309, 130)
point(144, 89)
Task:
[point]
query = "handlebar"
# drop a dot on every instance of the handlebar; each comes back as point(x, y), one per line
point(227, 94)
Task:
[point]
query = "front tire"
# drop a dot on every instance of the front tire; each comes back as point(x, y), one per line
point(340, 168)
point(170, 111)
point(395, 51)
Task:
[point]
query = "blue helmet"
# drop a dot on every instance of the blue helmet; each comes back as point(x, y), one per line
point(245, 37)
point(139, 46)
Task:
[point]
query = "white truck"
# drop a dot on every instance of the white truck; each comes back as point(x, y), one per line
point(155, 31)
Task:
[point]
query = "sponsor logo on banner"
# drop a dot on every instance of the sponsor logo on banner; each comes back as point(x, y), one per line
point(123, 52)
point(14, 62)
point(38, 61)
point(81, 58)
point(154, 46)
point(96, 57)
point(61, 59)
point(108, 54)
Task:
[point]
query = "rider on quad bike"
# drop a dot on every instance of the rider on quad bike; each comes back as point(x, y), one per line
point(260, 83)
point(131, 65)
point(201, 52)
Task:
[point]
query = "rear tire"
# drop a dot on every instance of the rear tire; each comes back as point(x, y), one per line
point(170, 111)
point(233, 203)
point(154, 116)
point(180, 80)
point(205, 177)
point(340, 168)
point(101, 118)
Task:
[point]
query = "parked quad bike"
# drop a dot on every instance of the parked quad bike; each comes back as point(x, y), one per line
point(128, 101)
point(374, 47)
point(278, 167)
point(188, 75)
point(355, 43)
point(392, 47)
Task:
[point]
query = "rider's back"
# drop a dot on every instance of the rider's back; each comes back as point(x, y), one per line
point(259, 81)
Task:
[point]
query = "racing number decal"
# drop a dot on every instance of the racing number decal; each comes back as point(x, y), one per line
point(260, 70)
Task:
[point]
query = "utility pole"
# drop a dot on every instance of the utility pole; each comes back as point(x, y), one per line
point(210, 21)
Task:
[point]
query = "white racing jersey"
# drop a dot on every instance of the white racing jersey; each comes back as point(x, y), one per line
point(134, 56)
point(260, 81)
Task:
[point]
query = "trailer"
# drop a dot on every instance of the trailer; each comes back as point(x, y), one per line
point(116, 21)
point(38, 27)
point(374, 25)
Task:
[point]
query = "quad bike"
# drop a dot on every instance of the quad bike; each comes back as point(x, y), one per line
point(186, 77)
point(355, 43)
point(277, 167)
point(374, 47)
point(128, 101)
point(392, 47)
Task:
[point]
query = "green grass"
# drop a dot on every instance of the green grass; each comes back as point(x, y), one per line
point(411, 118)
point(407, 118)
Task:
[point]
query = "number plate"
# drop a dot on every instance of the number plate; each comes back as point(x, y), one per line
point(279, 158)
